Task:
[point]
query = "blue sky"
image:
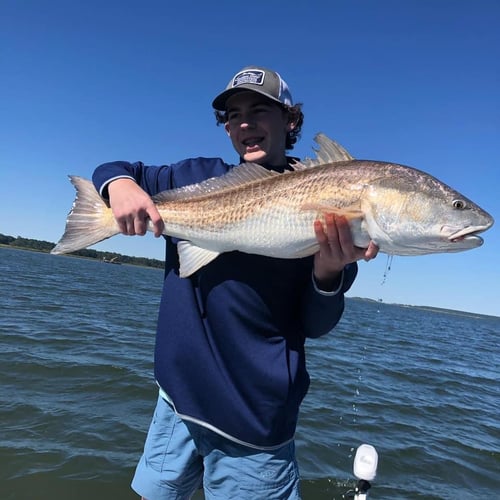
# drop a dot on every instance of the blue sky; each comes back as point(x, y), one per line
point(410, 81)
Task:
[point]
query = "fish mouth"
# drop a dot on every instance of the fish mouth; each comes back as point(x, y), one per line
point(468, 234)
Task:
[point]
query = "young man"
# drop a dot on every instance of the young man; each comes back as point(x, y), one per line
point(229, 355)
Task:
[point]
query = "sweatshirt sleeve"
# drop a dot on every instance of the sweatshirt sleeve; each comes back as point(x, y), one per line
point(155, 179)
point(151, 179)
point(323, 310)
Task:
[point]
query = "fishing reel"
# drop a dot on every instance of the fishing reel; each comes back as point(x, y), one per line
point(365, 469)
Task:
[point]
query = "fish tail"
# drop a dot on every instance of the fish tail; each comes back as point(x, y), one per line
point(89, 221)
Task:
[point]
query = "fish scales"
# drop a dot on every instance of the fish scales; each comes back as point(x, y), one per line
point(279, 202)
point(336, 185)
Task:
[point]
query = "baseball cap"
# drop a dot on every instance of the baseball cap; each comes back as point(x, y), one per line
point(258, 79)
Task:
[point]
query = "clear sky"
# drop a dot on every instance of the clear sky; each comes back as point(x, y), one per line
point(410, 81)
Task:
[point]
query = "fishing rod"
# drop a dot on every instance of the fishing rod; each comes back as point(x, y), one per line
point(365, 469)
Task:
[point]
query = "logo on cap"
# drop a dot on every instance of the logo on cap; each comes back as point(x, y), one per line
point(254, 77)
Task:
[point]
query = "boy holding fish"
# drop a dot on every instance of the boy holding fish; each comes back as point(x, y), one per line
point(229, 355)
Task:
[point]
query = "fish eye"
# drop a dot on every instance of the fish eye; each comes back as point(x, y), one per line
point(459, 204)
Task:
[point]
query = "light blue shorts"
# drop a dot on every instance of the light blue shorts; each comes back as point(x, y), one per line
point(180, 457)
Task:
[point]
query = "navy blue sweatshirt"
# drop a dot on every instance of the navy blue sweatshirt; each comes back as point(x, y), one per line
point(230, 339)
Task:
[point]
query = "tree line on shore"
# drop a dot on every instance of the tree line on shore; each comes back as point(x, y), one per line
point(47, 246)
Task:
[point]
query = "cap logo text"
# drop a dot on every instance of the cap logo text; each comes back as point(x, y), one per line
point(254, 77)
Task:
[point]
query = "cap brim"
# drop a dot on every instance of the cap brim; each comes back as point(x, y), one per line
point(219, 103)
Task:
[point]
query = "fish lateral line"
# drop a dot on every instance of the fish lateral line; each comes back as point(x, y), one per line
point(350, 213)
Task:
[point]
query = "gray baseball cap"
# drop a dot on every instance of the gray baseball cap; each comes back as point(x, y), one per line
point(257, 79)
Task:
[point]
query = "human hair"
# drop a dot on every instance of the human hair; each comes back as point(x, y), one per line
point(295, 115)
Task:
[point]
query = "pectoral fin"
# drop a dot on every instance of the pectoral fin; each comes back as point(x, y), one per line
point(192, 258)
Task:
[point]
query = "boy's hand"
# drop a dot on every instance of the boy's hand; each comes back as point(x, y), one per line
point(336, 250)
point(133, 208)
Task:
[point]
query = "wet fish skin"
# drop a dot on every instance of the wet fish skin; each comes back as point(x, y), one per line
point(251, 209)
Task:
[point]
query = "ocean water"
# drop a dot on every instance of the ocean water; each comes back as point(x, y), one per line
point(77, 390)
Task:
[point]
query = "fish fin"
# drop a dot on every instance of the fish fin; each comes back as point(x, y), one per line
point(89, 221)
point(329, 152)
point(192, 257)
point(237, 176)
point(351, 212)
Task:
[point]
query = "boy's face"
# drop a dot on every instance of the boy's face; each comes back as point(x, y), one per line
point(257, 127)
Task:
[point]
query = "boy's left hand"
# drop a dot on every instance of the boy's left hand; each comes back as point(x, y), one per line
point(336, 250)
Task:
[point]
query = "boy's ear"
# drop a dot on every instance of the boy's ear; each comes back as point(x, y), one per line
point(291, 125)
point(292, 121)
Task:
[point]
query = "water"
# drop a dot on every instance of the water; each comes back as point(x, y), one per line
point(77, 393)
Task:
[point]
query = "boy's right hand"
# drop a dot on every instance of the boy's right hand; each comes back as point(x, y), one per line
point(132, 208)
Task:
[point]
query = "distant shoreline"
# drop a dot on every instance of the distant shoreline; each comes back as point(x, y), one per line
point(20, 243)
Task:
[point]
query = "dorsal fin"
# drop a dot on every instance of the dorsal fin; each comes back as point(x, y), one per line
point(329, 151)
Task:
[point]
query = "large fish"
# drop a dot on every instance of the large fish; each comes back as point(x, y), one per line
point(255, 210)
